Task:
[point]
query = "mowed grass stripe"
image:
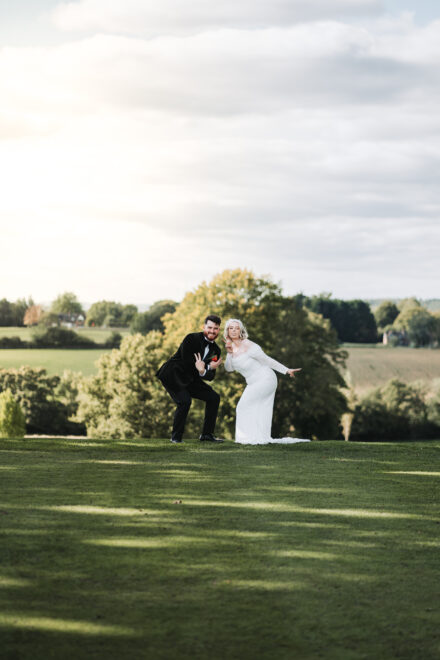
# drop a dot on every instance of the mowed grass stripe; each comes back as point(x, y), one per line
point(322, 550)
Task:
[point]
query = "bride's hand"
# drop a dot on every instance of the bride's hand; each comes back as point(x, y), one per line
point(228, 345)
point(214, 364)
point(291, 372)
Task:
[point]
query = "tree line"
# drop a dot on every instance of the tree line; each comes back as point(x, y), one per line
point(67, 310)
point(405, 323)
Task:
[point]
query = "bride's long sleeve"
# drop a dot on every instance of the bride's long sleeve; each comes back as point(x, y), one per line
point(228, 363)
point(257, 353)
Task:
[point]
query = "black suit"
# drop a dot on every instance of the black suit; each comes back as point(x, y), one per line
point(182, 381)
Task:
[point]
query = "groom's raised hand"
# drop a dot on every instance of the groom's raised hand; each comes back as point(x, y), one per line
point(200, 365)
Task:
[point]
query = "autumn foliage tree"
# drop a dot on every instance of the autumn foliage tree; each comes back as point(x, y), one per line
point(33, 315)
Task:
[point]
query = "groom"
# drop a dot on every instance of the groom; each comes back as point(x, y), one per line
point(185, 374)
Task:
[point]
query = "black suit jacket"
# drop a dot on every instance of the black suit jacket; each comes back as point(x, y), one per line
point(180, 371)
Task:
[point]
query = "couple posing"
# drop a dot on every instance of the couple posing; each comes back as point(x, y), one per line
point(185, 374)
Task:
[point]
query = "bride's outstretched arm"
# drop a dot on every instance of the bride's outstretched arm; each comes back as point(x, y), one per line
point(257, 352)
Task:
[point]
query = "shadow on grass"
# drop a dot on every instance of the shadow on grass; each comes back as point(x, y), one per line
point(138, 550)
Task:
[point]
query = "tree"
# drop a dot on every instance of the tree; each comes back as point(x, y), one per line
point(20, 308)
point(12, 424)
point(353, 320)
point(309, 406)
point(386, 314)
point(12, 313)
point(67, 304)
point(35, 391)
point(419, 325)
point(7, 316)
point(408, 303)
point(152, 318)
point(125, 399)
point(128, 312)
point(33, 315)
point(107, 313)
point(436, 317)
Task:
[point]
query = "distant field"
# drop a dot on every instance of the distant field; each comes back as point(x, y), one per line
point(97, 334)
point(55, 360)
point(371, 366)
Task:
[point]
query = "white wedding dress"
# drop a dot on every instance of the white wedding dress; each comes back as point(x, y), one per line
point(255, 409)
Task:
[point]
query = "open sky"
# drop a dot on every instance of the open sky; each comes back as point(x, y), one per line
point(146, 146)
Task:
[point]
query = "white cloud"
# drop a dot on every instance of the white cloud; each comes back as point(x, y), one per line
point(148, 17)
point(308, 151)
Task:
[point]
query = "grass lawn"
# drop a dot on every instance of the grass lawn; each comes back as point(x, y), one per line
point(142, 549)
point(54, 360)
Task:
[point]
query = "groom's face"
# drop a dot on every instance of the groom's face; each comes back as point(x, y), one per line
point(211, 330)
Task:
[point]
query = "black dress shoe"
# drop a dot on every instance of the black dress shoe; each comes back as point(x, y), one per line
point(176, 441)
point(208, 437)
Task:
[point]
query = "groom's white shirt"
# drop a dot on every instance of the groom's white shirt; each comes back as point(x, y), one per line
point(205, 354)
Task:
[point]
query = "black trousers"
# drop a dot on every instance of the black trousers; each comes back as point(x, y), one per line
point(183, 400)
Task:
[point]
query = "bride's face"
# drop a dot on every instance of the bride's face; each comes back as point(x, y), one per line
point(234, 331)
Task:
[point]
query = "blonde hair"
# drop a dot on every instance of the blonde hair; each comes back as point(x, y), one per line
point(243, 331)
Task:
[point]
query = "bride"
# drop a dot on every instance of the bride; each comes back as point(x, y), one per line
point(255, 408)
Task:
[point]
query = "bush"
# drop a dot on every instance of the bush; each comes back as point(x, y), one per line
point(36, 392)
point(12, 342)
point(114, 340)
point(12, 423)
point(125, 399)
point(397, 411)
point(55, 337)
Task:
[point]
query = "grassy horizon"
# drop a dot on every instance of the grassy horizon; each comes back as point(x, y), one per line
point(143, 549)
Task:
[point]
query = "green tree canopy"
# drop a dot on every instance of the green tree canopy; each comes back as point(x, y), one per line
point(125, 399)
point(36, 392)
point(419, 325)
point(6, 313)
point(12, 313)
point(311, 404)
point(353, 320)
point(110, 314)
point(386, 314)
point(150, 320)
point(68, 304)
point(408, 303)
